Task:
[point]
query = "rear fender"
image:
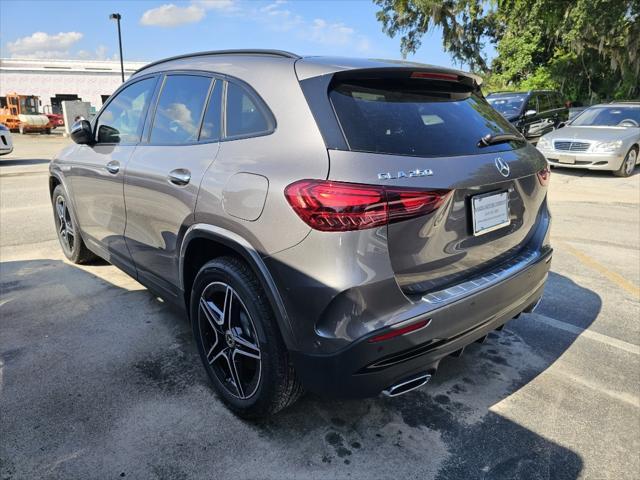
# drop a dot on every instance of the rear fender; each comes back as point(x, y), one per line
point(250, 255)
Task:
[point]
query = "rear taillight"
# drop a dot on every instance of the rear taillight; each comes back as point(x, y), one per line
point(339, 207)
point(544, 176)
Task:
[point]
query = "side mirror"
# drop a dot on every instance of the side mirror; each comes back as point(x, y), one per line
point(561, 124)
point(81, 133)
point(530, 113)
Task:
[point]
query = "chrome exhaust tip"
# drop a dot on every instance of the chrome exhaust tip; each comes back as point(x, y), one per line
point(533, 306)
point(407, 385)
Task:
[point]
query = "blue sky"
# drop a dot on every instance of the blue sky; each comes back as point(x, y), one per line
point(157, 29)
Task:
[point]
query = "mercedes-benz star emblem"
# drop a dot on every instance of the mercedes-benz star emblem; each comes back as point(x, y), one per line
point(502, 166)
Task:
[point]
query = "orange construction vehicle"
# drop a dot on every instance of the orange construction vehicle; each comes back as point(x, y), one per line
point(21, 114)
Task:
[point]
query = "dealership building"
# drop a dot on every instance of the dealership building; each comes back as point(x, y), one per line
point(55, 81)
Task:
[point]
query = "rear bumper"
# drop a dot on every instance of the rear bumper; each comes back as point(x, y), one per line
point(364, 369)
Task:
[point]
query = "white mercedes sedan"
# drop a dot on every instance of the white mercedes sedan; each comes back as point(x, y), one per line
point(602, 137)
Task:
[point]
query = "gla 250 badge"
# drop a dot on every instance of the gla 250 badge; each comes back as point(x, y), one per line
point(418, 172)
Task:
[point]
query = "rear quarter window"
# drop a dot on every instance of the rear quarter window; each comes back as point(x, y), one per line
point(416, 121)
point(246, 116)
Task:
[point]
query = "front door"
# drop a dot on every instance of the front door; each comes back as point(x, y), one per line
point(164, 174)
point(97, 173)
point(534, 122)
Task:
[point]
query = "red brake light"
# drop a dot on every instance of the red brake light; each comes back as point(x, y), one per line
point(435, 76)
point(544, 176)
point(339, 207)
point(396, 332)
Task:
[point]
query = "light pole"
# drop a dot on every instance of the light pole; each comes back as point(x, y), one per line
point(117, 17)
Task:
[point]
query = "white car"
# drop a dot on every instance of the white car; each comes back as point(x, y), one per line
point(602, 137)
point(6, 143)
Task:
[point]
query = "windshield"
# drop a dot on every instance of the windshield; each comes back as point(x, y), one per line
point(405, 119)
point(626, 116)
point(28, 105)
point(507, 106)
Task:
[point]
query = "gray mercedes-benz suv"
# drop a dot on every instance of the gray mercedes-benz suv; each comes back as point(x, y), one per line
point(336, 225)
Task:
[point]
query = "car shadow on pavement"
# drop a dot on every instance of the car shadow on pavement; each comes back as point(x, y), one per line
point(103, 381)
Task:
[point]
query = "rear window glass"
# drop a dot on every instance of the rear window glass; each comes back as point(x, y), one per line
point(244, 116)
point(415, 121)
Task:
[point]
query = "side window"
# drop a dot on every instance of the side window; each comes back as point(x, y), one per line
point(545, 102)
point(532, 103)
point(122, 120)
point(559, 101)
point(179, 110)
point(243, 116)
point(211, 124)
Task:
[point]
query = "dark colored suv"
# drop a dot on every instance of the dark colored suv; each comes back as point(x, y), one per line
point(533, 113)
point(333, 224)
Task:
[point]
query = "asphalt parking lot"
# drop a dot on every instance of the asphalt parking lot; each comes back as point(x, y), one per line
point(99, 379)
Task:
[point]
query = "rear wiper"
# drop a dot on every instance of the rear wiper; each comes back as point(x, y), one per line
point(490, 139)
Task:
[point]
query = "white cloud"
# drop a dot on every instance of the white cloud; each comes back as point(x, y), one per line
point(100, 53)
point(275, 16)
point(43, 45)
point(326, 33)
point(319, 30)
point(170, 15)
point(226, 5)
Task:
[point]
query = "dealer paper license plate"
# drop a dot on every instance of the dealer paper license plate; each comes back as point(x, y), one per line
point(489, 212)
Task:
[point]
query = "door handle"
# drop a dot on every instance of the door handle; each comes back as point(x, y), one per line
point(180, 176)
point(113, 167)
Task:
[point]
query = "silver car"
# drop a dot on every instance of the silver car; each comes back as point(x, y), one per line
point(336, 225)
point(602, 137)
point(6, 142)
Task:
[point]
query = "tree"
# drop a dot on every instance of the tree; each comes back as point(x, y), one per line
point(464, 23)
point(589, 49)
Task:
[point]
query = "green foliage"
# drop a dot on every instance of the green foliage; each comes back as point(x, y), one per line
point(588, 49)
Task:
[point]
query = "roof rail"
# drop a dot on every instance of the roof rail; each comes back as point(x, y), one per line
point(271, 53)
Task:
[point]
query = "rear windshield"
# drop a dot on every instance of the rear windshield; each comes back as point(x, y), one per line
point(415, 120)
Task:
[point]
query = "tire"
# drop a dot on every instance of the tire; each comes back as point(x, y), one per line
point(248, 338)
point(69, 236)
point(628, 164)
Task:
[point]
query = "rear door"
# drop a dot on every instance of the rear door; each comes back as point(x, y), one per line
point(97, 172)
point(425, 134)
point(162, 179)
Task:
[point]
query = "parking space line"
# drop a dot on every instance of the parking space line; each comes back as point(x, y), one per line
point(590, 334)
point(616, 278)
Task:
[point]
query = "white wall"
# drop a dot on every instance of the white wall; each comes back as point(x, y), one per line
point(46, 78)
point(88, 86)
